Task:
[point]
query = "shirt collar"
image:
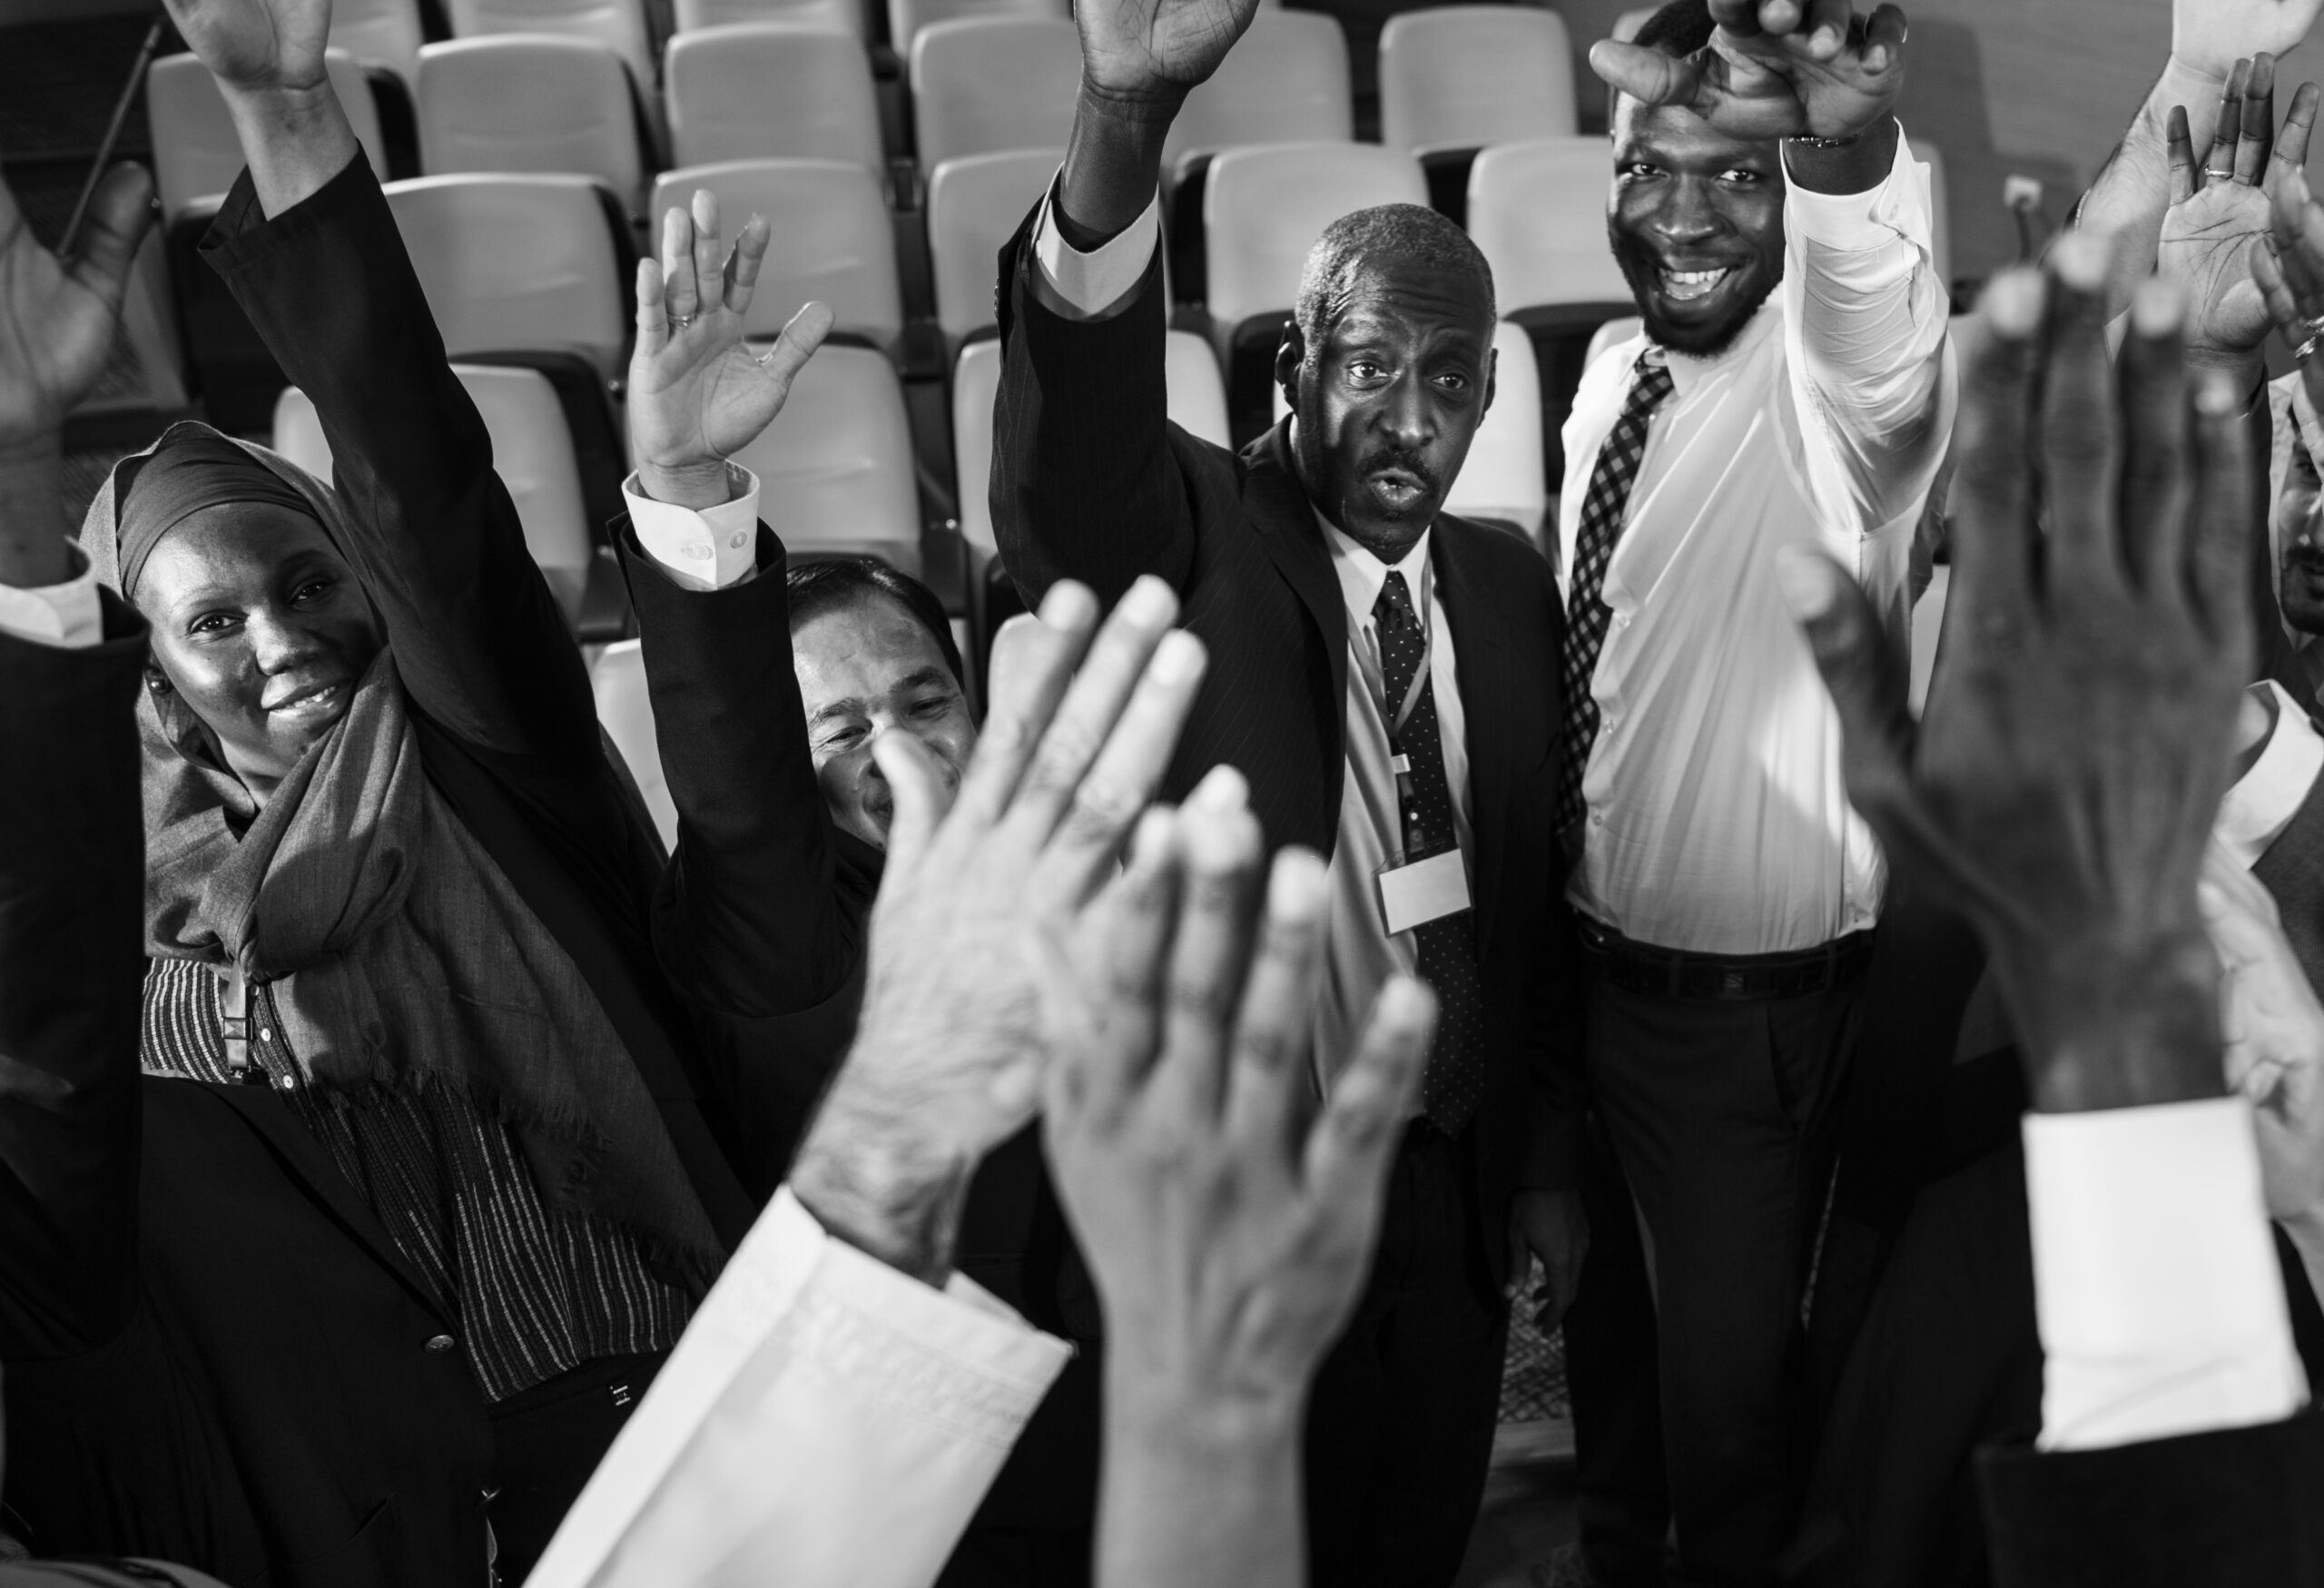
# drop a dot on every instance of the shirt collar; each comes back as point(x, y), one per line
point(1689, 370)
point(2262, 802)
point(1361, 574)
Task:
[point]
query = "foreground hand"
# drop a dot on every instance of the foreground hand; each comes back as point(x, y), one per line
point(1228, 1235)
point(2211, 35)
point(2288, 271)
point(57, 316)
point(2274, 1029)
point(1774, 69)
point(255, 46)
point(1551, 1226)
point(2215, 233)
point(697, 394)
point(2061, 787)
point(950, 1052)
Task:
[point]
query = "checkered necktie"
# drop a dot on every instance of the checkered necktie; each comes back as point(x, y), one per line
point(1593, 547)
point(1454, 1082)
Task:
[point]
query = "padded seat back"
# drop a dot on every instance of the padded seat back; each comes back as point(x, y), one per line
point(982, 84)
point(974, 205)
point(380, 33)
point(1462, 76)
point(846, 15)
point(830, 239)
point(772, 91)
point(196, 153)
point(1504, 477)
point(1538, 211)
point(519, 102)
point(1285, 81)
point(907, 17)
point(1266, 207)
point(619, 24)
point(835, 469)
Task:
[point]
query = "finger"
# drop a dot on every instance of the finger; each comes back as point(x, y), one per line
point(1864, 676)
point(1269, 1076)
point(120, 210)
point(1884, 38)
point(679, 298)
point(2287, 237)
point(2180, 145)
point(1741, 17)
point(653, 324)
point(1032, 664)
point(918, 789)
point(796, 343)
point(1134, 920)
point(1994, 541)
point(1091, 707)
point(2275, 293)
point(2259, 129)
point(2081, 461)
point(1217, 915)
point(2290, 151)
point(741, 278)
point(1355, 1135)
point(2304, 264)
point(2230, 125)
point(2217, 573)
point(1647, 75)
point(2156, 476)
point(1126, 773)
point(709, 250)
point(1824, 24)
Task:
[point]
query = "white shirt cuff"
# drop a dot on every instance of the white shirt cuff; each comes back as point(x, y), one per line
point(1093, 285)
point(67, 616)
point(2260, 805)
point(706, 550)
point(1851, 223)
point(2155, 1280)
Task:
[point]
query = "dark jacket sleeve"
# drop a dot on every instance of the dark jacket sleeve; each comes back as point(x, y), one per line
point(480, 640)
point(2229, 1509)
point(752, 918)
point(1085, 485)
point(71, 968)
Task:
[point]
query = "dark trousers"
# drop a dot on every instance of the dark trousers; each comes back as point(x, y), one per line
point(549, 1439)
point(1722, 1115)
point(1401, 1421)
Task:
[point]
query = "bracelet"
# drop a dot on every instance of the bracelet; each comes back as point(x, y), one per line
point(1815, 142)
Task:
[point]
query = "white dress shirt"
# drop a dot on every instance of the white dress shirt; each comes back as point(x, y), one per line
point(1718, 819)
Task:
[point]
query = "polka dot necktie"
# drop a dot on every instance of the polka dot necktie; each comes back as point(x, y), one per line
point(1586, 616)
point(1454, 1082)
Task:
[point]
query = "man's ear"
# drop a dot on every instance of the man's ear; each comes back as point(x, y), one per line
point(1492, 379)
point(1289, 357)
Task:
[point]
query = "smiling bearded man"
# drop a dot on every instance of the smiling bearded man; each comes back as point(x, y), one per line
point(1791, 386)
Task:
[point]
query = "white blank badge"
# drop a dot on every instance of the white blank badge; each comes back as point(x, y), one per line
point(1425, 891)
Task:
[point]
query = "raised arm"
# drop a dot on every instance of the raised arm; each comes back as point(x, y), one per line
point(311, 252)
point(1087, 483)
point(72, 847)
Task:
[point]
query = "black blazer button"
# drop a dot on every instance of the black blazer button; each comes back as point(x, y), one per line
point(440, 1343)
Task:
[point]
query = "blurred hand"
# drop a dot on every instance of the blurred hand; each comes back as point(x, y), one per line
point(2216, 226)
point(1137, 52)
point(1774, 69)
point(2211, 35)
point(1230, 1226)
point(2061, 786)
point(697, 394)
point(951, 1049)
point(2274, 1029)
point(57, 317)
point(2288, 271)
point(1551, 1226)
point(257, 45)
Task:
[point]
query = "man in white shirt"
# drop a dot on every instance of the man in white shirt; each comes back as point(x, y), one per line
point(1791, 386)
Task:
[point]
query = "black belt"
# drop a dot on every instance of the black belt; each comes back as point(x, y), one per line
point(1636, 967)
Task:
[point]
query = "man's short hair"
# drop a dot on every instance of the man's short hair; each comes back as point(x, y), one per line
point(831, 583)
point(1679, 28)
point(1411, 232)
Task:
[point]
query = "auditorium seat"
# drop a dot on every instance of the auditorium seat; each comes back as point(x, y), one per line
point(532, 451)
point(1627, 24)
point(694, 15)
point(1198, 405)
point(907, 17)
point(626, 710)
point(830, 238)
point(521, 263)
point(380, 33)
point(772, 91)
point(835, 469)
point(1538, 211)
point(1267, 206)
point(974, 204)
point(1613, 333)
point(981, 84)
point(1504, 477)
point(619, 24)
point(196, 153)
point(531, 103)
point(1461, 76)
point(1285, 81)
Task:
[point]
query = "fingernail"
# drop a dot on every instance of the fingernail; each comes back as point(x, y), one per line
point(1295, 887)
point(2082, 260)
point(1067, 604)
point(1804, 578)
point(1149, 602)
point(2215, 395)
point(1404, 1001)
point(2156, 308)
point(1221, 789)
point(1177, 659)
point(2013, 303)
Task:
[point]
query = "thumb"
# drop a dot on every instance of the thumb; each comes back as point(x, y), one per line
point(1648, 75)
point(119, 212)
point(1861, 673)
point(919, 792)
point(797, 344)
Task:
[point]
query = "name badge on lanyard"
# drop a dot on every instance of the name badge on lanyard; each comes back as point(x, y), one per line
point(1423, 891)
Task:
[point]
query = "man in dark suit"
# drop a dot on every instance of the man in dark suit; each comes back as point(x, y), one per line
point(1383, 675)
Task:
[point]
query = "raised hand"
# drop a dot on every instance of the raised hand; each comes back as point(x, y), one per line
point(57, 316)
point(2211, 35)
point(2217, 225)
point(2288, 273)
point(1228, 1223)
point(1154, 50)
point(951, 1049)
point(1774, 69)
point(253, 46)
point(697, 394)
point(2061, 786)
point(2274, 1029)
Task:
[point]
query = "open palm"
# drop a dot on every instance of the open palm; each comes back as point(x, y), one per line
point(57, 316)
point(1136, 49)
point(697, 393)
point(2206, 248)
point(257, 44)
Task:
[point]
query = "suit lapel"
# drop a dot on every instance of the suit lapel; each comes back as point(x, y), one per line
point(1482, 655)
point(1286, 521)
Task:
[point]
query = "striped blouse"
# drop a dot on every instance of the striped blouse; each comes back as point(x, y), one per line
point(537, 1290)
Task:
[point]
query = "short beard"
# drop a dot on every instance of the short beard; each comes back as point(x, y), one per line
point(1642, 270)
